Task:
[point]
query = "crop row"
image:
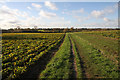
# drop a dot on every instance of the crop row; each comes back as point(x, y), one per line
point(97, 65)
point(19, 55)
point(107, 46)
point(59, 66)
point(79, 73)
point(109, 33)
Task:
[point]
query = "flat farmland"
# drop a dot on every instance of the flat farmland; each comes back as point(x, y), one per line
point(86, 54)
point(21, 51)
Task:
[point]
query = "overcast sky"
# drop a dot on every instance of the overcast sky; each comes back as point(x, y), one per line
point(59, 14)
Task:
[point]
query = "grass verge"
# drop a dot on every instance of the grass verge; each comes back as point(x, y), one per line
point(59, 66)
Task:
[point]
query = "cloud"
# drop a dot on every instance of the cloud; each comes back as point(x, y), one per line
point(38, 6)
point(14, 22)
point(63, 12)
point(31, 21)
point(61, 24)
point(29, 8)
point(9, 16)
point(81, 18)
point(78, 11)
point(73, 12)
point(13, 17)
point(104, 12)
point(110, 24)
point(106, 19)
point(97, 14)
point(5, 10)
point(47, 14)
point(50, 5)
point(52, 19)
point(116, 6)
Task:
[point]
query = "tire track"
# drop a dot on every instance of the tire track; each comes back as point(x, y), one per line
point(73, 74)
point(82, 63)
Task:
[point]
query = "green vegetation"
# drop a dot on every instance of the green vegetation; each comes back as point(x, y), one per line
point(107, 46)
point(59, 66)
point(77, 59)
point(97, 65)
point(20, 51)
point(109, 33)
point(85, 54)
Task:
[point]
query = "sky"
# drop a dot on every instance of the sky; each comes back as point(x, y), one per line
point(59, 0)
point(49, 14)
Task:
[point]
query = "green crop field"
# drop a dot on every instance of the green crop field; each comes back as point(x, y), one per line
point(37, 56)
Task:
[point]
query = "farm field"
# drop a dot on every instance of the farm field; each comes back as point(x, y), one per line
point(87, 54)
point(21, 51)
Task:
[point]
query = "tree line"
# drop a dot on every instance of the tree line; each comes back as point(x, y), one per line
point(51, 30)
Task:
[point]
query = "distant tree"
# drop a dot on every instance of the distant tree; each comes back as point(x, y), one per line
point(71, 29)
point(28, 29)
point(65, 30)
point(11, 29)
point(18, 27)
point(53, 30)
